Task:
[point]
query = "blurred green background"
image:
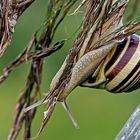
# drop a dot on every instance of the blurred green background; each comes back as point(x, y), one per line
point(100, 114)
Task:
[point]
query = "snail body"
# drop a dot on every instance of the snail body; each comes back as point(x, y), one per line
point(85, 66)
point(115, 67)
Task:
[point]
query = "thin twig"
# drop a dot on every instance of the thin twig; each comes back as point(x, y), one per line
point(9, 14)
point(26, 55)
point(43, 48)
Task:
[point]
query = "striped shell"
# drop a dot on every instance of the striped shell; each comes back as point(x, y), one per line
point(122, 70)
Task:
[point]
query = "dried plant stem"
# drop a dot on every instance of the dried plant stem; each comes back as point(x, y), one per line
point(85, 42)
point(10, 11)
point(101, 26)
point(29, 56)
point(43, 48)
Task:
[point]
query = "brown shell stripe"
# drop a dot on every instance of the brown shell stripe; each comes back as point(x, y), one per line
point(130, 80)
point(116, 52)
point(134, 80)
point(137, 85)
point(122, 71)
point(132, 77)
point(118, 55)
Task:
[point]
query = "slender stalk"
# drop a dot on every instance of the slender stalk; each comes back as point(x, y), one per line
point(43, 48)
point(100, 26)
point(10, 11)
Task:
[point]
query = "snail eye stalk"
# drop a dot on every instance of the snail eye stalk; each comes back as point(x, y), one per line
point(67, 109)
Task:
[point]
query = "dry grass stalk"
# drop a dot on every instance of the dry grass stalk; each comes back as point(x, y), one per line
point(10, 11)
point(43, 47)
point(27, 55)
point(101, 26)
